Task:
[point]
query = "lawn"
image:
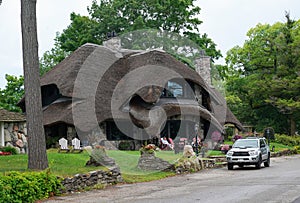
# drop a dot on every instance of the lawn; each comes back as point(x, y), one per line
point(61, 164)
point(279, 147)
point(128, 160)
point(69, 164)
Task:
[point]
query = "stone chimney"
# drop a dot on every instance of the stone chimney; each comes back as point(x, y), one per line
point(202, 67)
point(113, 43)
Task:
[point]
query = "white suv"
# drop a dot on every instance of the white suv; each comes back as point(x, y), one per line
point(249, 151)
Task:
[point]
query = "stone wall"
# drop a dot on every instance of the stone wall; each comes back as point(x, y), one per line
point(7, 129)
point(284, 153)
point(81, 181)
point(9, 126)
point(148, 161)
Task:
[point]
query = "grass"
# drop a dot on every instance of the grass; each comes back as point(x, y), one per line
point(69, 164)
point(279, 147)
point(215, 153)
point(61, 164)
point(128, 160)
point(13, 163)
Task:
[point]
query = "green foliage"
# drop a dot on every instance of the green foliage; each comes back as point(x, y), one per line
point(288, 140)
point(124, 145)
point(12, 150)
point(263, 77)
point(52, 57)
point(297, 148)
point(28, 187)
point(80, 31)
point(125, 16)
point(12, 93)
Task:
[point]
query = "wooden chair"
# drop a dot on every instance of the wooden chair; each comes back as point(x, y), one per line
point(76, 145)
point(63, 143)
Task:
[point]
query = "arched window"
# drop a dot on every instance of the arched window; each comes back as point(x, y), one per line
point(175, 89)
point(178, 88)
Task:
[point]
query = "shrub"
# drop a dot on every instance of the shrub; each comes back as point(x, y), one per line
point(124, 145)
point(12, 150)
point(28, 187)
point(297, 148)
point(287, 140)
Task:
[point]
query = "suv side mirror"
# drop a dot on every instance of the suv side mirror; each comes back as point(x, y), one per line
point(262, 145)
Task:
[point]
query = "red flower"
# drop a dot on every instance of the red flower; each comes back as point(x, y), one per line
point(4, 153)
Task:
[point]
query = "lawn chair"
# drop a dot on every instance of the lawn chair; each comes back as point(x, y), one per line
point(76, 145)
point(63, 143)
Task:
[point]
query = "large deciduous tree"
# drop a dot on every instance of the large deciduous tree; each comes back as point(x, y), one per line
point(12, 93)
point(124, 16)
point(37, 156)
point(268, 70)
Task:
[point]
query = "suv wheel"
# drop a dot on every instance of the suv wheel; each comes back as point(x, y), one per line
point(230, 166)
point(267, 162)
point(258, 164)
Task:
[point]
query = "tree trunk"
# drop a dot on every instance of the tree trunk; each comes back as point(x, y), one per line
point(37, 156)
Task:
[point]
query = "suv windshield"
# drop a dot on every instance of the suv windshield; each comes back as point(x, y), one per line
point(243, 143)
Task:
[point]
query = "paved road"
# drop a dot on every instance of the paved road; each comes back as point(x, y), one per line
point(278, 183)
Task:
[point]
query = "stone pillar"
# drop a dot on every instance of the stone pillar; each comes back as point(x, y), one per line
point(203, 68)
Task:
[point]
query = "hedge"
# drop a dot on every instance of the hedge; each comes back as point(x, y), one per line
point(28, 187)
point(287, 140)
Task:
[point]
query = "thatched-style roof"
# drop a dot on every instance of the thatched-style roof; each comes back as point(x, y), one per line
point(230, 118)
point(8, 116)
point(105, 84)
point(224, 114)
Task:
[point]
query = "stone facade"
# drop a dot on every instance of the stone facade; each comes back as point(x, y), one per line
point(6, 129)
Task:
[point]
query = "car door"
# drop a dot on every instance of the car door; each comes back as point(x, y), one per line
point(263, 149)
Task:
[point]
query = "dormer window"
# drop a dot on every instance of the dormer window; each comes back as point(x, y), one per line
point(174, 89)
point(178, 88)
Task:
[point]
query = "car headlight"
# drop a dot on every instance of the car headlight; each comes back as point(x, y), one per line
point(253, 153)
point(229, 153)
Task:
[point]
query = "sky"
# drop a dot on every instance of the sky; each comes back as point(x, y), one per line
point(225, 21)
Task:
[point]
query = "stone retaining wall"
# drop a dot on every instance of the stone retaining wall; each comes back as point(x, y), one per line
point(284, 153)
point(81, 181)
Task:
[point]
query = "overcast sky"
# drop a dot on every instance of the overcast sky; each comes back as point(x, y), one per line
point(225, 21)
